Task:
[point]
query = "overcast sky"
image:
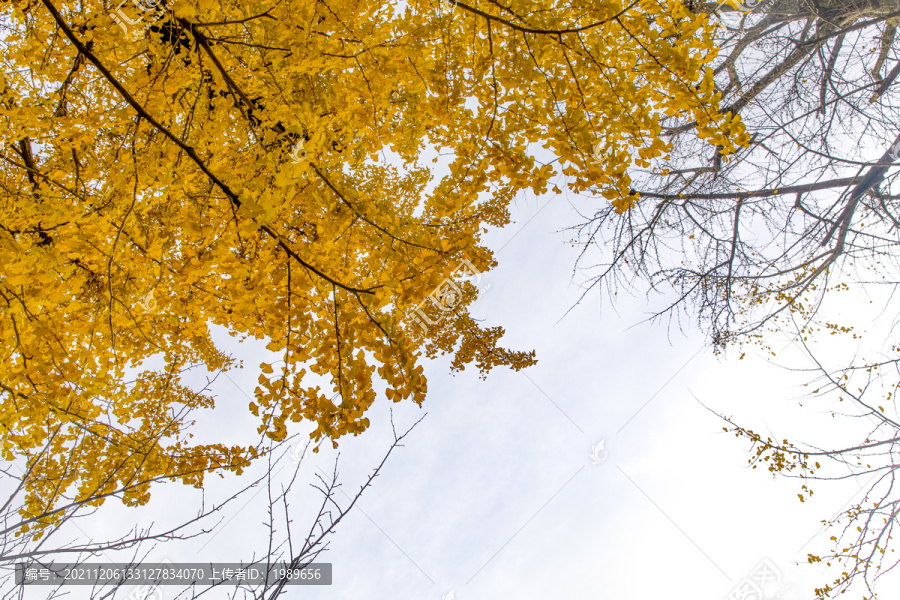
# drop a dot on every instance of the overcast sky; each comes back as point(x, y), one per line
point(495, 493)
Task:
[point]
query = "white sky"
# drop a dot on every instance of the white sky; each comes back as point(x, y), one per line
point(495, 494)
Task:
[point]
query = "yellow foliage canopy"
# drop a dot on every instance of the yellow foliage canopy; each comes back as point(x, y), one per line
point(170, 166)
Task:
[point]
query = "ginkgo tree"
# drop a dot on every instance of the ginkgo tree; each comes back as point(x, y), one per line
point(760, 248)
point(256, 166)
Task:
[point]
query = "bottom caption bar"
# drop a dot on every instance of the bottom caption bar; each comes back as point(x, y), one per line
point(169, 573)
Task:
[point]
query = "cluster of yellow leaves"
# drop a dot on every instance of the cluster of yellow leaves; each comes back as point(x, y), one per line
point(158, 160)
